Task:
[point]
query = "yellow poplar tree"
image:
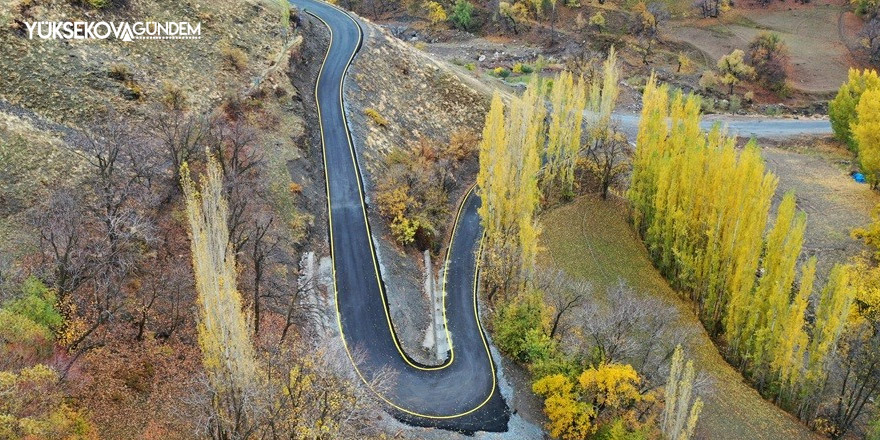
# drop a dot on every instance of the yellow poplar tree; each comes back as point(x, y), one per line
point(866, 133)
point(791, 340)
point(568, 101)
point(769, 304)
point(831, 315)
point(681, 410)
point(510, 158)
point(224, 336)
point(842, 109)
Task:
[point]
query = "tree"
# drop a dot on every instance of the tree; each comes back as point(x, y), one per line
point(227, 352)
point(568, 101)
point(462, 14)
point(769, 56)
point(515, 12)
point(866, 134)
point(436, 12)
point(34, 407)
point(734, 69)
point(871, 39)
point(681, 410)
point(570, 418)
point(601, 394)
point(507, 183)
point(842, 109)
point(712, 8)
point(646, 28)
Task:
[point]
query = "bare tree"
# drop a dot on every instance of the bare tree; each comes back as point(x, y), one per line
point(871, 36)
point(64, 241)
point(563, 295)
point(608, 158)
point(180, 136)
point(632, 328)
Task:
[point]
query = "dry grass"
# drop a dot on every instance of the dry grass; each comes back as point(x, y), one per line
point(73, 81)
point(591, 239)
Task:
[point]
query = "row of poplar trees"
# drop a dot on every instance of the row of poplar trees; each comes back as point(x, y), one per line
point(529, 155)
point(702, 208)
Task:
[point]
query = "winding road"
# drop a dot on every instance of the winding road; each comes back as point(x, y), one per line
point(462, 394)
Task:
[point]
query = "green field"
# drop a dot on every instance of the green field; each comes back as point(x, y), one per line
point(591, 239)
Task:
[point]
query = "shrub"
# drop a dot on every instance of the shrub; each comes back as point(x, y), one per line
point(234, 57)
point(33, 407)
point(462, 145)
point(98, 4)
point(470, 66)
point(173, 97)
point(522, 69)
point(436, 13)
point(22, 341)
point(462, 14)
point(513, 324)
point(119, 72)
point(377, 118)
point(412, 192)
point(708, 80)
point(597, 20)
point(769, 56)
point(501, 72)
point(37, 304)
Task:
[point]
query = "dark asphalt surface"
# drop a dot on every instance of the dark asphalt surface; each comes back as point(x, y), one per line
point(462, 394)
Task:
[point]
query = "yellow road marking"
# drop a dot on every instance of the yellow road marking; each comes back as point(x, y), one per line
point(373, 253)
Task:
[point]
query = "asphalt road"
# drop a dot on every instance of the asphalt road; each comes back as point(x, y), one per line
point(462, 394)
point(745, 126)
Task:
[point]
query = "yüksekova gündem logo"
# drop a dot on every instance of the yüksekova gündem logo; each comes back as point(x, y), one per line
point(123, 30)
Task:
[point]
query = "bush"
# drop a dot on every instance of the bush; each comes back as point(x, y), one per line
point(412, 192)
point(33, 407)
point(377, 118)
point(517, 325)
point(462, 15)
point(769, 56)
point(597, 20)
point(98, 4)
point(119, 72)
point(522, 69)
point(436, 13)
point(173, 97)
point(501, 72)
point(22, 341)
point(470, 66)
point(37, 304)
point(708, 80)
point(234, 57)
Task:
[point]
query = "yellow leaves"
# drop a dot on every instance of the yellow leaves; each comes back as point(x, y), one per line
point(608, 391)
point(866, 133)
point(31, 406)
point(510, 157)
point(224, 336)
point(570, 419)
point(614, 385)
point(436, 13)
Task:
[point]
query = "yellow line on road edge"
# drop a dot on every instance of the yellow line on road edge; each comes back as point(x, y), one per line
point(375, 263)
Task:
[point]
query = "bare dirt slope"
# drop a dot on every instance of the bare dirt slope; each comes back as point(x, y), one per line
point(820, 58)
point(835, 204)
